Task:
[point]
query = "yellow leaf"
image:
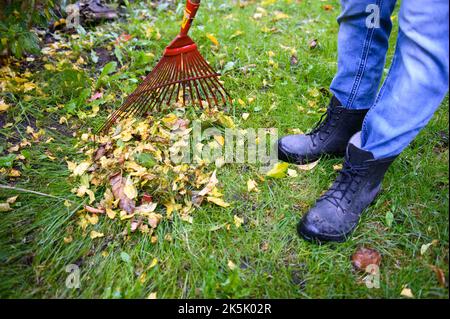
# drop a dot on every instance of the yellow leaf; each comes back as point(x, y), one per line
point(241, 102)
point(81, 168)
point(68, 239)
point(337, 167)
point(14, 173)
point(3, 106)
point(406, 292)
point(280, 15)
point(231, 265)
point(28, 86)
point(153, 263)
point(225, 120)
point(12, 200)
point(93, 220)
point(212, 38)
point(62, 120)
point(152, 295)
point(94, 234)
point(217, 201)
point(252, 186)
point(292, 172)
point(129, 189)
point(245, 116)
point(219, 139)
point(238, 221)
point(111, 214)
point(4, 207)
point(279, 170)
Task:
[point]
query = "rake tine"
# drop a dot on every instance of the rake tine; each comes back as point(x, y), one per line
point(197, 63)
point(181, 70)
point(155, 92)
point(212, 80)
point(201, 84)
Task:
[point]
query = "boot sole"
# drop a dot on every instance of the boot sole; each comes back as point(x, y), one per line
point(288, 158)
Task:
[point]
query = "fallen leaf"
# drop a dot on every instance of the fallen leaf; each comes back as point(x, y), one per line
point(12, 200)
point(4, 207)
point(245, 116)
point(94, 210)
point(280, 16)
point(212, 38)
point(117, 186)
point(308, 167)
point(313, 44)
point(218, 201)
point(440, 275)
point(337, 167)
point(96, 96)
point(406, 292)
point(211, 184)
point(292, 172)
point(129, 189)
point(110, 213)
point(231, 265)
point(252, 186)
point(152, 295)
point(238, 221)
point(14, 173)
point(94, 234)
point(364, 257)
point(327, 7)
point(153, 263)
point(424, 248)
point(279, 170)
point(3, 106)
point(81, 168)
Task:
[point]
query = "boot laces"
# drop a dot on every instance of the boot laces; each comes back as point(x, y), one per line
point(322, 127)
point(346, 184)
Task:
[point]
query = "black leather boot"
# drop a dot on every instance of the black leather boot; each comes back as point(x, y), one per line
point(330, 136)
point(337, 212)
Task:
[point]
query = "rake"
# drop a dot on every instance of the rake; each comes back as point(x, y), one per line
point(181, 76)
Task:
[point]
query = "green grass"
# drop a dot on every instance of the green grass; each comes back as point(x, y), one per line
point(272, 261)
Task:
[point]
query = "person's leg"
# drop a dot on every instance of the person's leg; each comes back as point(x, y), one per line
point(414, 88)
point(417, 81)
point(364, 29)
point(363, 39)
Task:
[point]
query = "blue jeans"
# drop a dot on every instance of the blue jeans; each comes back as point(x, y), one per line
point(417, 81)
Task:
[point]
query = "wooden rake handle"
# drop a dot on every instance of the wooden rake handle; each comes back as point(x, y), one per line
point(189, 14)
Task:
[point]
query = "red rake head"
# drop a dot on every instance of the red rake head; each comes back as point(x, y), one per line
point(182, 75)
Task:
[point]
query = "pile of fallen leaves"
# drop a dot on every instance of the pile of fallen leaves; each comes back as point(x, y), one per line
point(128, 174)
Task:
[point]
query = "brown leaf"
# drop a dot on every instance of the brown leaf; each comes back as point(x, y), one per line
point(327, 7)
point(364, 257)
point(117, 186)
point(102, 149)
point(93, 210)
point(146, 198)
point(294, 60)
point(95, 96)
point(313, 44)
point(439, 274)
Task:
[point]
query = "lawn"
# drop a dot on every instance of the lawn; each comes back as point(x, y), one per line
point(270, 63)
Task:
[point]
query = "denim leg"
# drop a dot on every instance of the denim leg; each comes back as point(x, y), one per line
point(362, 47)
point(417, 81)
